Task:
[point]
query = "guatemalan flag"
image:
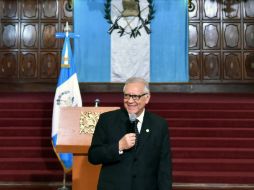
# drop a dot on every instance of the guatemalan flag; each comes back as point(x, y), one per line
point(67, 94)
point(115, 40)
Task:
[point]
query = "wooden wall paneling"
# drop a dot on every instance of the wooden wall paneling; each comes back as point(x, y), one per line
point(232, 66)
point(249, 65)
point(66, 14)
point(248, 38)
point(195, 13)
point(211, 66)
point(28, 65)
point(29, 35)
point(211, 36)
point(226, 34)
point(49, 64)
point(9, 35)
point(232, 36)
point(29, 50)
point(194, 39)
point(48, 39)
point(232, 11)
point(248, 7)
point(49, 9)
point(211, 40)
point(29, 9)
point(9, 65)
point(195, 66)
point(10, 9)
point(249, 35)
point(50, 46)
point(211, 10)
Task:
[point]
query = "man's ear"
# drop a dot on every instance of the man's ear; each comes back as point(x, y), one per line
point(148, 98)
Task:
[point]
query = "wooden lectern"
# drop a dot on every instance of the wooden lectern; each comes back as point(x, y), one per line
point(76, 127)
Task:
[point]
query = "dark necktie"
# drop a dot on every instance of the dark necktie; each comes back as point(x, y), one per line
point(137, 133)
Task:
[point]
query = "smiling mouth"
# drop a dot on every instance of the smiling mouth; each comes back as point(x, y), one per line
point(132, 107)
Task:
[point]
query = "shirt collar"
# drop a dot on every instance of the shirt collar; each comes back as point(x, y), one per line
point(141, 117)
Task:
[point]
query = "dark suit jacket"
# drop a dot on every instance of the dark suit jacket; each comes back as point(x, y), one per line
point(146, 168)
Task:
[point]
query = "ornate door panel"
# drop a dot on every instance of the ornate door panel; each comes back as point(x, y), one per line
point(29, 51)
point(225, 30)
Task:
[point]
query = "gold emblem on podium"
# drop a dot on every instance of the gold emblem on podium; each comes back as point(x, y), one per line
point(88, 121)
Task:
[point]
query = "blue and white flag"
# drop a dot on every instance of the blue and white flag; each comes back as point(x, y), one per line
point(161, 56)
point(67, 94)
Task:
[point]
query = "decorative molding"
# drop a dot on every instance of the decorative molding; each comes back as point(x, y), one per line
point(211, 87)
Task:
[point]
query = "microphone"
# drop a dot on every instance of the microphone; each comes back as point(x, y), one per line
point(132, 117)
point(131, 126)
point(97, 102)
point(134, 129)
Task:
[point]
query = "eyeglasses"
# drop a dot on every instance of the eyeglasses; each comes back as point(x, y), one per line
point(133, 96)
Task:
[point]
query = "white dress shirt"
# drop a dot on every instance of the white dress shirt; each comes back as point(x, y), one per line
point(140, 119)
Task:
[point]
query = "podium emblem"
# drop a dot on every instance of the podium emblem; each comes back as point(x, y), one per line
point(88, 121)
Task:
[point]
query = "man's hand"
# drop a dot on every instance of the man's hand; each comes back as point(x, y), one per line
point(127, 141)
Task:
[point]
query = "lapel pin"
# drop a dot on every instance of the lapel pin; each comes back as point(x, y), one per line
point(147, 130)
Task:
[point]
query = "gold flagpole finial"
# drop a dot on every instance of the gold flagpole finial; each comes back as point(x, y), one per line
point(67, 28)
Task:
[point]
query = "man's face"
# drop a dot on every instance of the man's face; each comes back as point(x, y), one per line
point(134, 102)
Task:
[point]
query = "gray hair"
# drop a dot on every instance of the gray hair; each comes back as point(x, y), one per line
point(138, 80)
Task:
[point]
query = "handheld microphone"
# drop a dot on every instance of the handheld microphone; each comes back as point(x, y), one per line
point(131, 126)
point(132, 117)
point(134, 129)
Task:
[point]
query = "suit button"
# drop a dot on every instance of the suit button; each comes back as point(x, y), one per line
point(134, 176)
point(135, 159)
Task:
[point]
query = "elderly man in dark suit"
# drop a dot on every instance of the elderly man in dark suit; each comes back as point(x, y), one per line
point(132, 159)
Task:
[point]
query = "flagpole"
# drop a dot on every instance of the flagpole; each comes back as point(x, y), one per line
point(67, 75)
point(64, 187)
